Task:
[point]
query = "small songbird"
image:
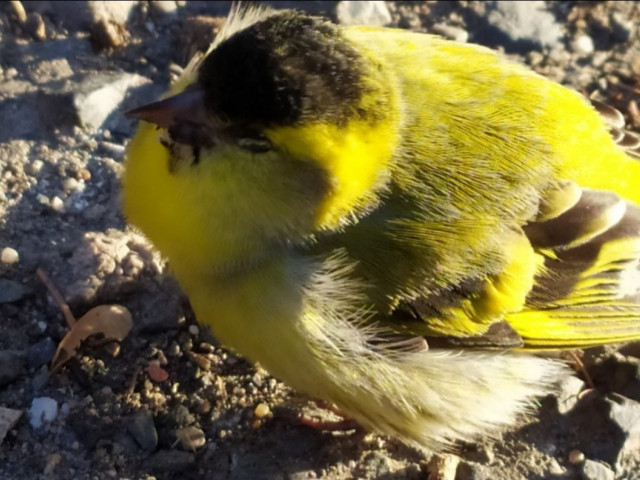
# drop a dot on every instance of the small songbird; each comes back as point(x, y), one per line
point(389, 221)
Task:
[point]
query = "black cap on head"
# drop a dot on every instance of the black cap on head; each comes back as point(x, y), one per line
point(281, 70)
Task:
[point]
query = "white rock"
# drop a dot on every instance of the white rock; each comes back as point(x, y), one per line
point(583, 44)
point(164, 7)
point(371, 13)
point(57, 204)
point(9, 255)
point(43, 410)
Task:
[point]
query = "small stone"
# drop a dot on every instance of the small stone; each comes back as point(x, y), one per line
point(72, 185)
point(8, 419)
point(106, 34)
point(114, 149)
point(164, 7)
point(583, 44)
point(596, 471)
point(194, 330)
point(182, 416)
point(97, 96)
point(555, 468)
point(41, 352)
point(443, 467)
point(43, 410)
point(190, 438)
point(452, 33)
point(34, 167)
point(200, 360)
point(575, 457)
point(568, 394)
point(372, 13)
point(57, 204)
point(35, 26)
point(11, 73)
point(261, 410)
point(9, 255)
point(626, 414)
point(42, 199)
point(525, 25)
point(53, 460)
point(141, 426)
point(156, 372)
point(473, 471)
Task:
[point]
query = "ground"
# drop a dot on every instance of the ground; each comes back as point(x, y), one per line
point(168, 401)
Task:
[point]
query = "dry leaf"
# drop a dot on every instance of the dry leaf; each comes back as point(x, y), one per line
point(110, 322)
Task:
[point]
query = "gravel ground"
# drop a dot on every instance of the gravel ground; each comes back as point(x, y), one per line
point(167, 401)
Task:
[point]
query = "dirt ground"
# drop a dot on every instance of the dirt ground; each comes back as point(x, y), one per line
point(169, 402)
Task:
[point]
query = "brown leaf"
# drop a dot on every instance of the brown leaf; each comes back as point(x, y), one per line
point(110, 322)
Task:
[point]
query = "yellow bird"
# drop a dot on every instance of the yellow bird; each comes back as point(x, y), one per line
point(390, 221)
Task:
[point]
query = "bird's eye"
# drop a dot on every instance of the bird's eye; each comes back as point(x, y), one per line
point(255, 144)
point(193, 134)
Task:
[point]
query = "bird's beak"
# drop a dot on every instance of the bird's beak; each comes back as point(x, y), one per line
point(187, 106)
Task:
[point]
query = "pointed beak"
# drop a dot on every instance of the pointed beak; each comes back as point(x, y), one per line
point(187, 106)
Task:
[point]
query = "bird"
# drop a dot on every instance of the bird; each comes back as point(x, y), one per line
point(392, 222)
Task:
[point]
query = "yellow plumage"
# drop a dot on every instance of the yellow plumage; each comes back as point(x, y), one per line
point(326, 195)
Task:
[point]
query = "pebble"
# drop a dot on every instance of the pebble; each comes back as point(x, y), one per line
point(41, 352)
point(575, 457)
point(626, 414)
point(164, 7)
point(452, 33)
point(473, 471)
point(9, 255)
point(34, 167)
point(194, 330)
point(8, 419)
point(72, 185)
point(114, 149)
point(372, 13)
point(57, 204)
point(583, 44)
point(592, 470)
point(42, 199)
point(35, 26)
point(526, 22)
point(443, 467)
point(11, 73)
point(52, 462)
point(143, 430)
point(156, 372)
point(568, 394)
point(190, 438)
point(43, 410)
point(261, 410)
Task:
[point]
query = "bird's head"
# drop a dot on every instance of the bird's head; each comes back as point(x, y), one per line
point(283, 129)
